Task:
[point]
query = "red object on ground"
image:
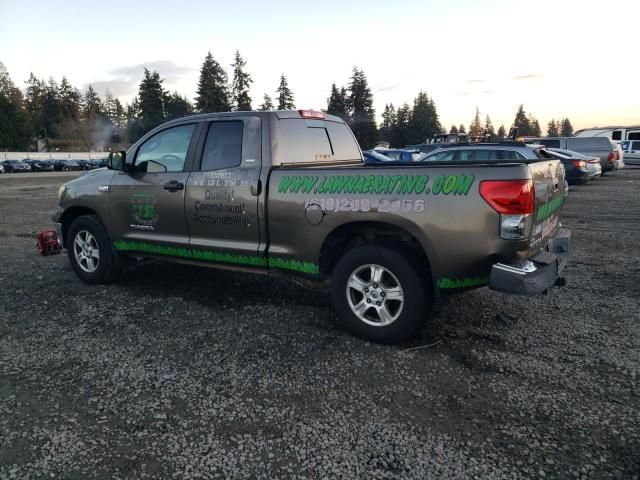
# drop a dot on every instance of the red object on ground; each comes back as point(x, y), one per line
point(48, 242)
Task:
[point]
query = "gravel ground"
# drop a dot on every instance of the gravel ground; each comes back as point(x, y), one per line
point(181, 372)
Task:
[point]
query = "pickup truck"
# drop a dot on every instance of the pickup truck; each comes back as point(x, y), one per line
point(287, 192)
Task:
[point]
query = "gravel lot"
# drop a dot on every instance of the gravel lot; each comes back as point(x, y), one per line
point(181, 372)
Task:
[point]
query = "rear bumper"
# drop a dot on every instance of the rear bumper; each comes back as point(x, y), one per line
point(535, 275)
point(59, 232)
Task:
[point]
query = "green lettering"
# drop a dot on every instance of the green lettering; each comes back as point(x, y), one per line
point(409, 184)
point(284, 184)
point(464, 184)
point(437, 184)
point(449, 184)
point(360, 185)
point(421, 183)
point(394, 180)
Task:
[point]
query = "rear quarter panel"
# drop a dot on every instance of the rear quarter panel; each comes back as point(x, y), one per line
point(440, 206)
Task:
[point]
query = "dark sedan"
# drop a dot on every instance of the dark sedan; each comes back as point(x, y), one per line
point(15, 166)
point(39, 165)
point(576, 168)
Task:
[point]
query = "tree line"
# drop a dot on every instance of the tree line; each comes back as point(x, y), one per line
point(60, 116)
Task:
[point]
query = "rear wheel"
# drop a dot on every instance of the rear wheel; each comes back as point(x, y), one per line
point(91, 252)
point(379, 294)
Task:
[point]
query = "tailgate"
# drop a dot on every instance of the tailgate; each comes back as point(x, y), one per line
point(549, 182)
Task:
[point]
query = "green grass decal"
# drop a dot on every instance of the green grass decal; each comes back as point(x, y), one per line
point(218, 257)
point(444, 282)
point(548, 208)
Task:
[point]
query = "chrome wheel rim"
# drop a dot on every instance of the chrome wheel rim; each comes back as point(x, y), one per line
point(86, 251)
point(375, 295)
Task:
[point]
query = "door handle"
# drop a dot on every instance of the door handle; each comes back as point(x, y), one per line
point(256, 188)
point(173, 186)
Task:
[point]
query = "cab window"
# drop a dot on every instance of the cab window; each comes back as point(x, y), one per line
point(223, 148)
point(166, 151)
point(445, 156)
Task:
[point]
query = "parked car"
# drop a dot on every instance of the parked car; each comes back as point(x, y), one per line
point(401, 155)
point(631, 149)
point(390, 238)
point(1, 168)
point(575, 168)
point(16, 166)
point(70, 165)
point(592, 164)
point(616, 133)
point(374, 156)
point(602, 147)
point(39, 165)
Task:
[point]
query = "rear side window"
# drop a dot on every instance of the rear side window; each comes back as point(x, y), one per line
point(224, 146)
point(616, 135)
point(314, 141)
point(474, 155)
point(550, 143)
point(445, 156)
point(506, 155)
point(635, 145)
point(633, 136)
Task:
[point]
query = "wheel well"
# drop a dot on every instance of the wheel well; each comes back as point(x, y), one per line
point(352, 235)
point(70, 215)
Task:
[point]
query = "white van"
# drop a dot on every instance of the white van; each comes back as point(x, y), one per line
point(617, 134)
point(631, 149)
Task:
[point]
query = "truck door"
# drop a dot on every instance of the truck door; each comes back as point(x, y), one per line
point(147, 202)
point(223, 193)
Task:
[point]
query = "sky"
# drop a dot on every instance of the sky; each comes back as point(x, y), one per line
point(557, 57)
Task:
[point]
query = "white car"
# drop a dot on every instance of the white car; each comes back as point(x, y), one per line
point(631, 149)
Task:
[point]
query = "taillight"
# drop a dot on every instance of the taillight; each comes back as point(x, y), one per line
point(617, 154)
point(612, 157)
point(515, 201)
point(579, 163)
point(311, 114)
point(509, 197)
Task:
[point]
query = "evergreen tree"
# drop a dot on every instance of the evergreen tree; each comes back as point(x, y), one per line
point(461, 129)
point(552, 128)
point(488, 126)
point(267, 104)
point(15, 124)
point(35, 103)
point(502, 133)
point(69, 100)
point(399, 130)
point(285, 95)
point(360, 110)
point(176, 106)
point(212, 94)
point(337, 103)
point(240, 85)
point(148, 109)
point(453, 129)
point(475, 128)
point(423, 121)
point(536, 131)
point(522, 122)
point(52, 112)
point(91, 104)
point(566, 129)
point(388, 120)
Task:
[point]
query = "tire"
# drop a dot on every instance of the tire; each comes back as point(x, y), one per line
point(381, 318)
point(89, 230)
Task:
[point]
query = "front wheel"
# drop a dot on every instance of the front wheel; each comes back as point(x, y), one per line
point(379, 294)
point(90, 251)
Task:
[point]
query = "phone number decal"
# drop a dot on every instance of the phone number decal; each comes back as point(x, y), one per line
point(366, 205)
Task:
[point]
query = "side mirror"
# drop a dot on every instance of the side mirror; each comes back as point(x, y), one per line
point(115, 160)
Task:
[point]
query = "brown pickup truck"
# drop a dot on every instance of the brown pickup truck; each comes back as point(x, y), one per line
point(288, 192)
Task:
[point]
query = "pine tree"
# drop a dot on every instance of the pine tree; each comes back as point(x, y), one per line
point(360, 110)
point(176, 106)
point(147, 110)
point(453, 129)
point(52, 112)
point(536, 131)
point(388, 120)
point(399, 130)
point(285, 95)
point(522, 122)
point(69, 100)
point(502, 133)
point(337, 103)
point(488, 126)
point(566, 129)
point(423, 121)
point(240, 85)
point(91, 104)
point(35, 103)
point(267, 104)
point(475, 128)
point(552, 128)
point(461, 129)
point(212, 94)
point(15, 125)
